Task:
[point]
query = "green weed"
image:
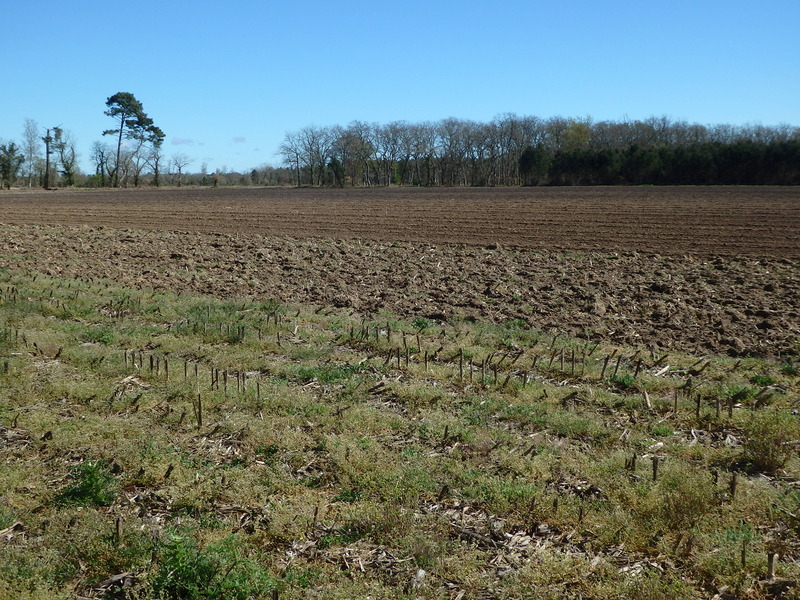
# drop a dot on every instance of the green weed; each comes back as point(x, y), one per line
point(762, 380)
point(623, 382)
point(661, 430)
point(342, 536)
point(348, 496)
point(329, 373)
point(771, 438)
point(93, 484)
point(791, 369)
point(187, 572)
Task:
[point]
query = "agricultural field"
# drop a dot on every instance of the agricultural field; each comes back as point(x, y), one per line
point(437, 394)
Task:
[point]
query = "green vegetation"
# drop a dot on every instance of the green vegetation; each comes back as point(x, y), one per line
point(11, 160)
point(187, 572)
point(554, 151)
point(92, 485)
point(186, 447)
point(772, 437)
point(132, 124)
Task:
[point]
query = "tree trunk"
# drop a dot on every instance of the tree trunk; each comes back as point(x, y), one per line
point(119, 147)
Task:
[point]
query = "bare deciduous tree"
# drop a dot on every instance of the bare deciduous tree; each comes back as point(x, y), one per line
point(178, 162)
point(558, 150)
point(31, 145)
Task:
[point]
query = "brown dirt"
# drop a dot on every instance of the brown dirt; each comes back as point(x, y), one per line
point(701, 269)
point(735, 221)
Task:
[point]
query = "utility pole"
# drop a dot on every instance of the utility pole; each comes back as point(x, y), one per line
point(48, 139)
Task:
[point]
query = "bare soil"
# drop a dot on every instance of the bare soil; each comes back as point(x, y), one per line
point(700, 269)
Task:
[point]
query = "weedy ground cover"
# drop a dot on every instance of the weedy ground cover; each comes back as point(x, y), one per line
point(164, 446)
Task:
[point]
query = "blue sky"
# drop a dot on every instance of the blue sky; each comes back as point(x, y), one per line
point(226, 80)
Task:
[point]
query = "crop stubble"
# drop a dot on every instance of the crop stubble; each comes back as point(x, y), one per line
point(713, 269)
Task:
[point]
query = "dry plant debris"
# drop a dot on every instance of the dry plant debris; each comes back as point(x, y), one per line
point(166, 443)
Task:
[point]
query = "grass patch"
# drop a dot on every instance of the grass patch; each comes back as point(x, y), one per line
point(231, 448)
point(92, 485)
point(188, 572)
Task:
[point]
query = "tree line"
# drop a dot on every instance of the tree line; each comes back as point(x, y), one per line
point(138, 150)
point(516, 150)
point(49, 157)
point(26, 162)
point(510, 150)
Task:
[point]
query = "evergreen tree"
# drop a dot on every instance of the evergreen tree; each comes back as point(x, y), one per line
point(134, 124)
point(11, 160)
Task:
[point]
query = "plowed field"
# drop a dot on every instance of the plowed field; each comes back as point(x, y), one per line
point(759, 222)
point(713, 269)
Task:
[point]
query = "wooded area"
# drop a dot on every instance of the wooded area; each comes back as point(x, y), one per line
point(512, 150)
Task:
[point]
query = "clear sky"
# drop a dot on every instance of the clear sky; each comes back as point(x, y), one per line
point(226, 80)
